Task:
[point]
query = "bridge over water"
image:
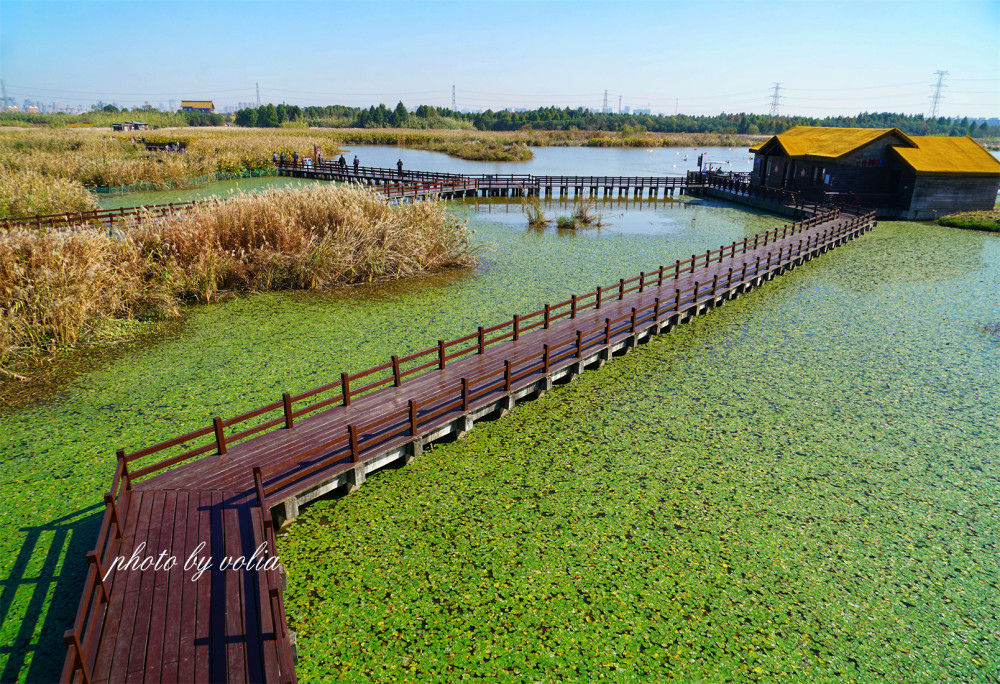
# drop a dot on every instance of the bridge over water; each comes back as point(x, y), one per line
point(222, 490)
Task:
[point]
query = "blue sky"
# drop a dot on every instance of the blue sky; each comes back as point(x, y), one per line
point(698, 57)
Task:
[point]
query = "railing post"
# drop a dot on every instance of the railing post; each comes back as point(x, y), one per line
point(579, 344)
point(659, 280)
point(697, 286)
point(72, 640)
point(120, 455)
point(413, 418)
point(397, 380)
point(572, 309)
point(677, 301)
point(545, 359)
point(694, 257)
point(632, 324)
point(96, 562)
point(441, 355)
point(642, 280)
point(621, 289)
point(517, 327)
point(352, 433)
point(548, 309)
point(598, 300)
point(677, 269)
point(715, 284)
point(286, 401)
point(345, 386)
point(465, 395)
point(656, 310)
point(482, 340)
point(220, 435)
point(607, 331)
point(506, 376)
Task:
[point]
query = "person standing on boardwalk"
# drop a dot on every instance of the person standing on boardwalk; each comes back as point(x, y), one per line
point(342, 163)
point(282, 158)
point(356, 165)
point(399, 167)
point(274, 157)
point(295, 158)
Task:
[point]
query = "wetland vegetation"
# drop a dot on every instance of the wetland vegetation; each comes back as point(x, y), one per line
point(975, 220)
point(61, 287)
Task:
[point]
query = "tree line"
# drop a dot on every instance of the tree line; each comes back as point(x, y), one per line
point(566, 118)
point(542, 118)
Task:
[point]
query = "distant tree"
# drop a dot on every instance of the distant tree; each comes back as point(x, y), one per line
point(246, 117)
point(267, 116)
point(400, 117)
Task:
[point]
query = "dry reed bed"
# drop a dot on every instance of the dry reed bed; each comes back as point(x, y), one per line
point(97, 157)
point(57, 287)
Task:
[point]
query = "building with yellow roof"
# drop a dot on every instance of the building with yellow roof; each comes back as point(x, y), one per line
point(912, 177)
point(206, 106)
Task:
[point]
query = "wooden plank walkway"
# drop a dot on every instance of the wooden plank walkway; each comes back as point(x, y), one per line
point(407, 183)
point(212, 491)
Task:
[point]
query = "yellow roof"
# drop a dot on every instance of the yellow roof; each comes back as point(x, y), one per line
point(826, 141)
point(198, 104)
point(949, 156)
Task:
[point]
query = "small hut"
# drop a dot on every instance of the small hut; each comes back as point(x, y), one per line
point(909, 177)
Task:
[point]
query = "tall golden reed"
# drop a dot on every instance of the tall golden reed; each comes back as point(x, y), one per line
point(56, 286)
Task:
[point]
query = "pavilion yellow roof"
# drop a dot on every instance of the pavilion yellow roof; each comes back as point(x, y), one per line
point(934, 155)
point(198, 104)
point(826, 142)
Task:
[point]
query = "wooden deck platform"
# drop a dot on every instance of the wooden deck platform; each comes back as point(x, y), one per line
point(212, 492)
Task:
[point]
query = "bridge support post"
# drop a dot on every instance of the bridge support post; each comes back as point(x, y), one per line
point(355, 477)
point(413, 449)
point(462, 426)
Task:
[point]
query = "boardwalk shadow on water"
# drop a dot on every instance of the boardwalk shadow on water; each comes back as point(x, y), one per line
point(41, 593)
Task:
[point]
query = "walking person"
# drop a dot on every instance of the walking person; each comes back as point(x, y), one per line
point(399, 167)
point(356, 165)
point(342, 163)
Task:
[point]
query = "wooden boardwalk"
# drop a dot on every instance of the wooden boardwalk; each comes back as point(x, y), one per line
point(212, 492)
point(410, 183)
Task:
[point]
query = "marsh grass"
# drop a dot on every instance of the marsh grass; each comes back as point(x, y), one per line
point(29, 192)
point(988, 220)
point(59, 288)
point(584, 216)
point(532, 208)
point(96, 157)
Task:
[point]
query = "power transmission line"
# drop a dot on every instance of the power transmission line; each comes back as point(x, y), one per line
point(775, 99)
point(936, 97)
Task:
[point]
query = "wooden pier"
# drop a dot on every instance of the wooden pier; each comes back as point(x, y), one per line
point(221, 490)
point(498, 185)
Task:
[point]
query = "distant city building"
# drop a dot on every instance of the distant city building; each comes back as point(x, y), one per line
point(205, 106)
point(647, 112)
point(246, 105)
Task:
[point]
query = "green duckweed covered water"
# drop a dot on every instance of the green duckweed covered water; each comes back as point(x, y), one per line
point(216, 189)
point(839, 410)
point(802, 485)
